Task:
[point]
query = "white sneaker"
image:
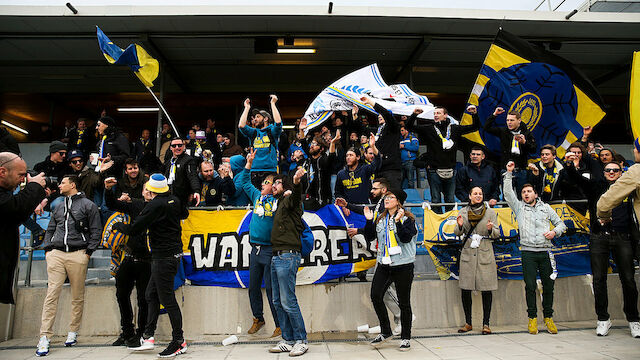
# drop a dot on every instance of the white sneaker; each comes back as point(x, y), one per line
point(603, 328)
point(72, 339)
point(145, 344)
point(299, 349)
point(43, 347)
point(635, 329)
point(281, 347)
point(405, 345)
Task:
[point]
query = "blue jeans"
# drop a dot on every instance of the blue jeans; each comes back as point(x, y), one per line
point(439, 187)
point(260, 268)
point(408, 174)
point(284, 268)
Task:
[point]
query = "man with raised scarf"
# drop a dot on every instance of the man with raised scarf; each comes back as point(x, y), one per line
point(264, 207)
point(442, 139)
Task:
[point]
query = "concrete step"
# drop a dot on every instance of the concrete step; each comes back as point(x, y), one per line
point(99, 273)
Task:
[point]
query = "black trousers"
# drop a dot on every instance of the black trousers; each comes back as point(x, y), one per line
point(132, 273)
point(160, 291)
point(487, 298)
point(619, 245)
point(402, 276)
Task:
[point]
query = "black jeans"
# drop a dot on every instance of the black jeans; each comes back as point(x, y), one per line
point(600, 247)
point(487, 298)
point(160, 291)
point(534, 262)
point(132, 273)
point(402, 276)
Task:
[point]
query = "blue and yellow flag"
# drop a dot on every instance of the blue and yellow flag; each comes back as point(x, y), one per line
point(143, 65)
point(554, 99)
point(634, 95)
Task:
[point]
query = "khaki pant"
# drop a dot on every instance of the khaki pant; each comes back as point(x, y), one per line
point(61, 264)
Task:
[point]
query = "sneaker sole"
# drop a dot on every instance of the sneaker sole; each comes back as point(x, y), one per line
point(179, 352)
point(404, 349)
point(70, 344)
point(298, 354)
point(142, 348)
point(41, 355)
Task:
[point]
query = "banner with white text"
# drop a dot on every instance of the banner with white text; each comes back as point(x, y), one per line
point(216, 247)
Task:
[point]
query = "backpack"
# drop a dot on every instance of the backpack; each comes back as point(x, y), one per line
point(308, 241)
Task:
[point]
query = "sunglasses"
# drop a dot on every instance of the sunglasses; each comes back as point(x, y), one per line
point(267, 182)
point(612, 170)
point(76, 161)
point(62, 153)
point(10, 160)
point(176, 145)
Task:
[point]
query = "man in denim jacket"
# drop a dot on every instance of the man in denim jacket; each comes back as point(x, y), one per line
point(534, 218)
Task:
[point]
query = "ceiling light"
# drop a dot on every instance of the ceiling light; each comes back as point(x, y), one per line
point(15, 127)
point(296, 51)
point(139, 109)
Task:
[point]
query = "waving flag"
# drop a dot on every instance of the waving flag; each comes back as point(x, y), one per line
point(143, 65)
point(554, 99)
point(634, 96)
point(347, 91)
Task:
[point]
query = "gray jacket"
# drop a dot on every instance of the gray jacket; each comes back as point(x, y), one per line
point(533, 221)
point(62, 233)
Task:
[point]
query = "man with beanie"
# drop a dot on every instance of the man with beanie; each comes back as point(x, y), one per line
point(112, 144)
point(88, 180)
point(264, 138)
point(533, 217)
point(54, 165)
point(72, 236)
point(161, 219)
point(618, 211)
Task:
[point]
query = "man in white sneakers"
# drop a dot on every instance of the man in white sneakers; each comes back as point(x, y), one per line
point(73, 234)
point(617, 209)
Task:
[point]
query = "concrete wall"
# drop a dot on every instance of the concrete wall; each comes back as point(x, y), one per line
point(325, 307)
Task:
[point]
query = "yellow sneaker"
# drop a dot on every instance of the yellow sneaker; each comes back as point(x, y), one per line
point(533, 326)
point(551, 327)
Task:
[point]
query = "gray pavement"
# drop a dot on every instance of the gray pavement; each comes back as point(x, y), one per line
point(576, 340)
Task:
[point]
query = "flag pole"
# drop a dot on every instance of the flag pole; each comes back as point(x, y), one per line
point(164, 111)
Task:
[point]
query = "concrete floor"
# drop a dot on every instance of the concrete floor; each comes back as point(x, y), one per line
point(576, 340)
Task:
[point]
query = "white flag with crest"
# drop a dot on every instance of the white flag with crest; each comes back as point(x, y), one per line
point(348, 90)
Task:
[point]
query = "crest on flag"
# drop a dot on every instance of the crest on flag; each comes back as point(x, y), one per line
point(554, 99)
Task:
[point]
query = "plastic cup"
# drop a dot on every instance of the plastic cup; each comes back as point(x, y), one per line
point(363, 328)
point(374, 330)
point(230, 340)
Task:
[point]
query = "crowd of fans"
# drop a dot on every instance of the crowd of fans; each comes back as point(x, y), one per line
point(341, 157)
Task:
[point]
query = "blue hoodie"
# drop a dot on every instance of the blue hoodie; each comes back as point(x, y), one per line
point(266, 152)
point(260, 226)
point(239, 198)
point(411, 146)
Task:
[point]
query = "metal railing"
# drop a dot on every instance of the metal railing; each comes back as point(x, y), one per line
point(30, 249)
